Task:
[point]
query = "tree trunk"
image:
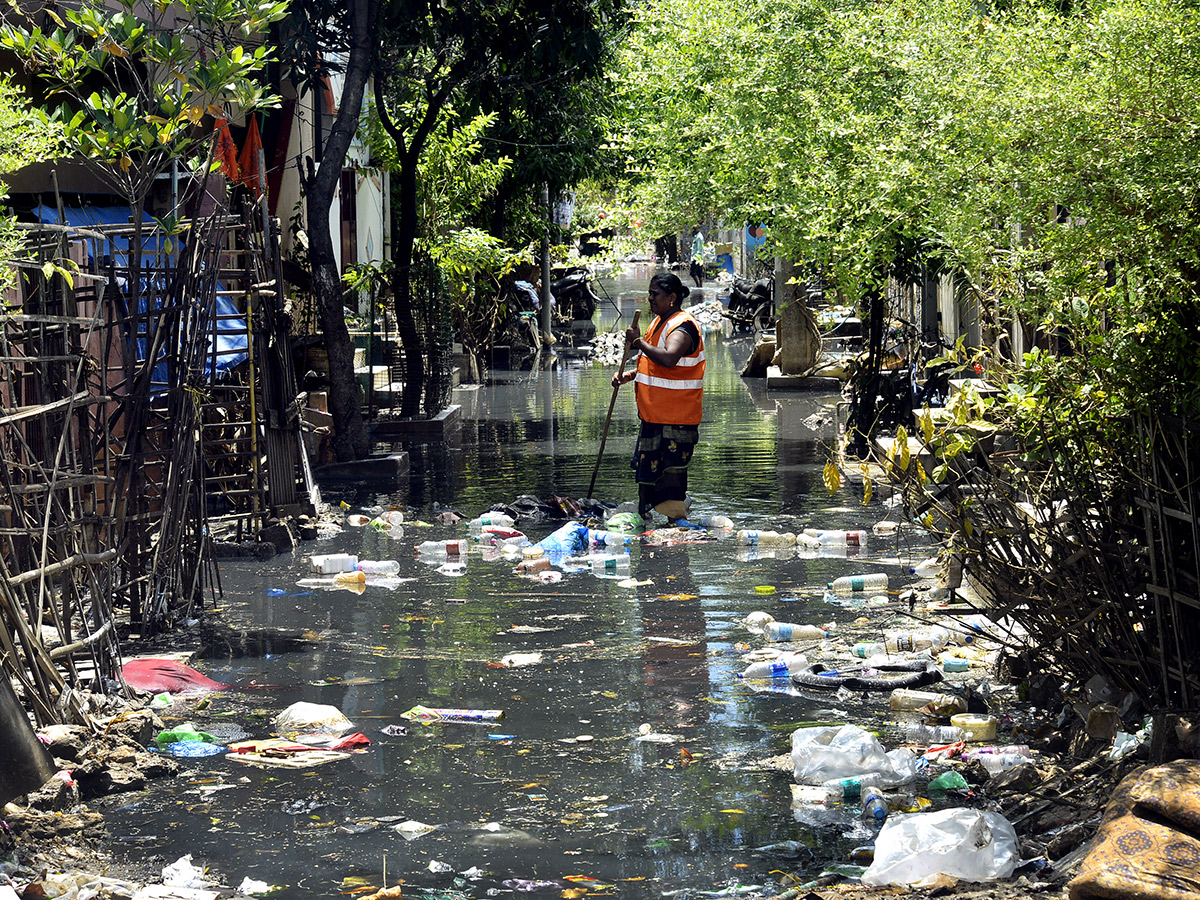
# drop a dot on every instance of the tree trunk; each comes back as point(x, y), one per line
point(402, 255)
point(349, 430)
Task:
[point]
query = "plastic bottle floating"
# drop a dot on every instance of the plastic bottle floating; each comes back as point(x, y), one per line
point(859, 584)
point(766, 539)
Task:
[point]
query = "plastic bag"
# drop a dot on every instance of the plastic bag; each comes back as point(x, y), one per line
point(822, 753)
point(571, 539)
point(302, 716)
point(625, 522)
point(965, 843)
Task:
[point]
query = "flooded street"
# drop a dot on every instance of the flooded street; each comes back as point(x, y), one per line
point(563, 793)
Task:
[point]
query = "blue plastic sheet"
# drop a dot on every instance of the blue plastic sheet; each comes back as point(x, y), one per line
point(231, 333)
point(570, 539)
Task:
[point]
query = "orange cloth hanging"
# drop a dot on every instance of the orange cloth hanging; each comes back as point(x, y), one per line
point(248, 159)
point(226, 149)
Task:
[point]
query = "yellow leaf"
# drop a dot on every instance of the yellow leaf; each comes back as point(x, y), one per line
point(832, 477)
point(902, 446)
point(868, 486)
point(926, 422)
point(740, 812)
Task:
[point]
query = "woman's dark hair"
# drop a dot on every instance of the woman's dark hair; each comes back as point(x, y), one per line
point(670, 283)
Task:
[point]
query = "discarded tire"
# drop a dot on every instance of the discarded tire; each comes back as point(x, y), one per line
point(912, 674)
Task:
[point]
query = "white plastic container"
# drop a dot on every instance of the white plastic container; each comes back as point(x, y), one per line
point(977, 728)
point(333, 563)
point(859, 584)
point(766, 539)
point(787, 631)
point(723, 523)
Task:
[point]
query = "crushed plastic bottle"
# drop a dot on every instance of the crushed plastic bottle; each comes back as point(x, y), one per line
point(766, 539)
point(920, 733)
point(721, 523)
point(859, 584)
point(906, 698)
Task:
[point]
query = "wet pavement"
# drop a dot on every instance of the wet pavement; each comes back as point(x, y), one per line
point(626, 762)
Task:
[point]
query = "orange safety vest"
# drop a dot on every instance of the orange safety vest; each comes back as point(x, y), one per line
point(670, 396)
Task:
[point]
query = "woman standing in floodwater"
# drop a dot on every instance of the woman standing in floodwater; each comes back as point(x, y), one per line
point(670, 391)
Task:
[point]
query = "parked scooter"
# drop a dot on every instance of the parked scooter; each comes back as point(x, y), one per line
point(576, 301)
point(751, 304)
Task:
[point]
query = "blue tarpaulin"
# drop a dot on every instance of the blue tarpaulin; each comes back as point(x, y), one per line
point(231, 333)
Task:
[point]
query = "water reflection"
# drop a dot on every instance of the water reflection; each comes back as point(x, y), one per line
point(526, 800)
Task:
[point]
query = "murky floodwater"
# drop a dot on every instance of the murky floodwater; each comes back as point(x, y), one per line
point(560, 794)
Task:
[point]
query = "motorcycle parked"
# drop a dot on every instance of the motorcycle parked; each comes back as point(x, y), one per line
point(575, 304)
point(751, 304)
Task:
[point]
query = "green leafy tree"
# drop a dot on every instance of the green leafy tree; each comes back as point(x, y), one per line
point(437, 55)
point(24, 139)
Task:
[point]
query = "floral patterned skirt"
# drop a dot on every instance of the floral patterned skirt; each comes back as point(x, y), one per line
point(660, 461)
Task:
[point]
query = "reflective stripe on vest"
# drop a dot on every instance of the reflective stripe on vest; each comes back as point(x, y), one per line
point(671, 395)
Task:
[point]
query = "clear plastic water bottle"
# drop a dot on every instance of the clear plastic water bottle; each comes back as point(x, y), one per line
point(1009, 749)
point(782, 666)
point(920, 733)
point(766, 539)
point(909, 641)
point(717, 522)
point(787, 631)
point(850, 790)
point(926, 569)
point(378, 567)
point(865, 650)
point(1001, 762)
point(874, 806)
point(442, 548)
point(839, 538)
point(500, 520)
point(859, 584)
point(608, 562)
point(609, 538)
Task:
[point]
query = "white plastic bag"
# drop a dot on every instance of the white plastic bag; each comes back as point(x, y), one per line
point(965, 843)
point(822, 753)
point(183, 874)
point(301, 717)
